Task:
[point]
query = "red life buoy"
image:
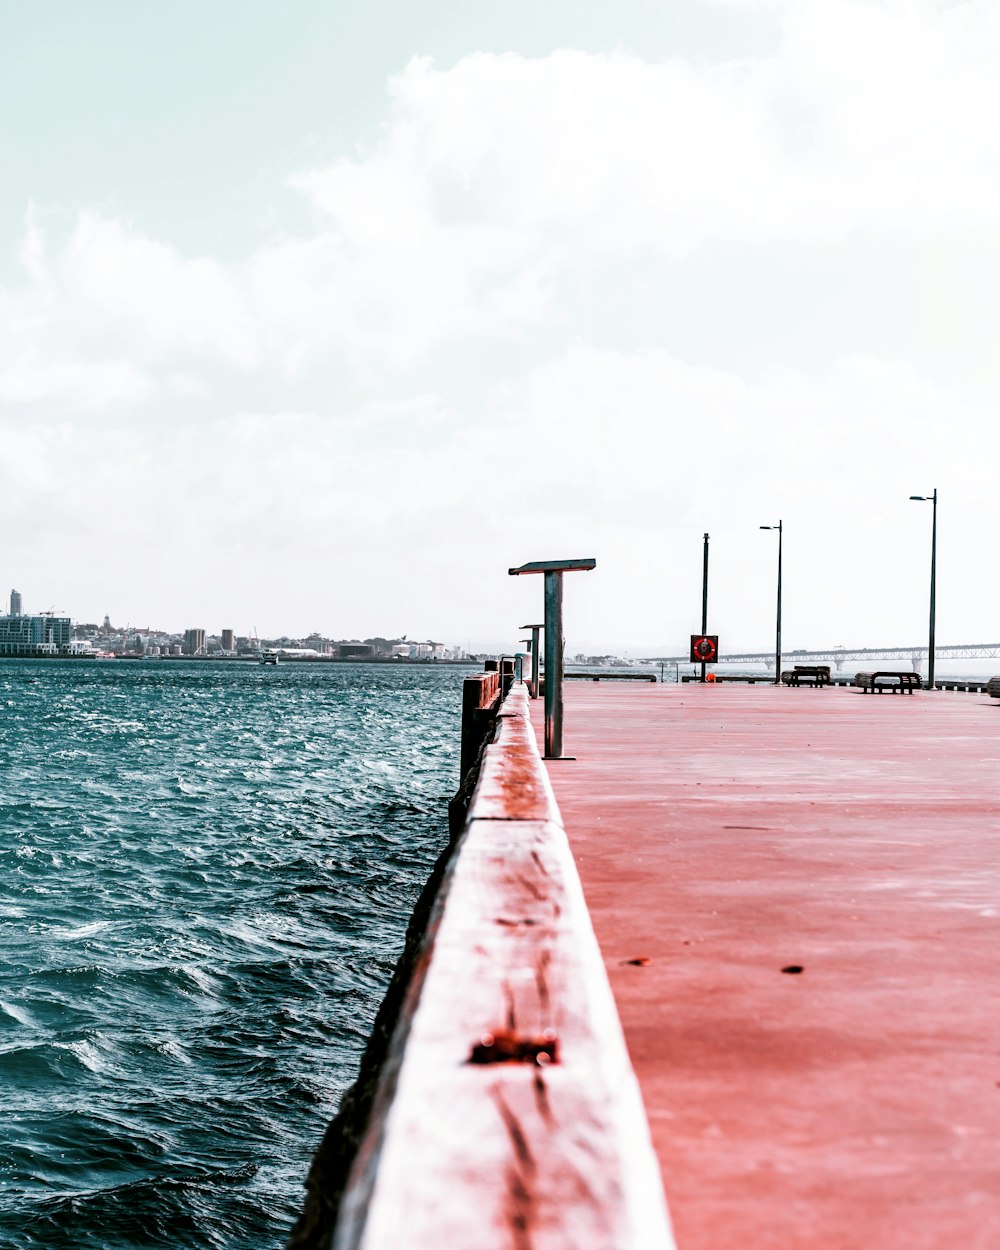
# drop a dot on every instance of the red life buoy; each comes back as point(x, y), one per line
point(704, 648)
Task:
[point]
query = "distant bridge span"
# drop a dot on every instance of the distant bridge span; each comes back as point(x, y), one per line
point(848, 655)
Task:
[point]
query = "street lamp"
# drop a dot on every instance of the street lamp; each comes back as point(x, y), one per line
point(704, 598)
point(931, 499)
point(777, 636)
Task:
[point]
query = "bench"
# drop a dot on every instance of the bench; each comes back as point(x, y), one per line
point(807, 675)
point(609, 677)
point(905, 683)
point(993, 687)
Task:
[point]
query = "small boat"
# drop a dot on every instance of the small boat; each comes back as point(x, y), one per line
point(269, 657)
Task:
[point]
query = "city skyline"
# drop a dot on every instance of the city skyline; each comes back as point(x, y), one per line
point(107, 627)
point(227, 639)
point(46, 634)
point(336, 315)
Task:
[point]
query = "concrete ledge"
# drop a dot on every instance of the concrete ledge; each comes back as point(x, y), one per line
point(536, 1155)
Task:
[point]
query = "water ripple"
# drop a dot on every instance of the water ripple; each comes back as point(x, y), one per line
point(209, 870)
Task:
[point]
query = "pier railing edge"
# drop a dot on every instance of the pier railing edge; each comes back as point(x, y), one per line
point(466, 1145)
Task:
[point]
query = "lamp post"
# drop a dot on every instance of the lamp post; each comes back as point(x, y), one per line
point(777, 634)
point(931, 499)
point(704, 599)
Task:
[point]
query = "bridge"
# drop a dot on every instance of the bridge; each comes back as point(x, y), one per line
point(851, 655)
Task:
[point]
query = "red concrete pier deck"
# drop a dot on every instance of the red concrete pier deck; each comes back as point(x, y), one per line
point(796, 893)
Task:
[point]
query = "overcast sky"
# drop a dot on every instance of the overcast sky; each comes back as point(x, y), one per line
point(320, 315)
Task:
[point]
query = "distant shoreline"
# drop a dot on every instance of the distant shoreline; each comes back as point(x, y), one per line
point(253, 659)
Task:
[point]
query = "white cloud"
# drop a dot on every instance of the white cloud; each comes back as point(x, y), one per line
point(492, 411)
point(111, 317)
point(869, 118)
point(495, 177)
point(135, 286)
point(288, 520)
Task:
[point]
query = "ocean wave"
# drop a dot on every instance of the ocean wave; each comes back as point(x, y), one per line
point(82, 931)
point(89, 1054)
point(161, 1211)
point(20, 1014)
point(199, 927)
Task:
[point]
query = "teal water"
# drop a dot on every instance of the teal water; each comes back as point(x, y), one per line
point(207, 873)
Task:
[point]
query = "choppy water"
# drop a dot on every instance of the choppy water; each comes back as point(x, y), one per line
point(207, 873)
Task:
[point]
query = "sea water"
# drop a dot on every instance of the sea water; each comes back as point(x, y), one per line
point(208, 869)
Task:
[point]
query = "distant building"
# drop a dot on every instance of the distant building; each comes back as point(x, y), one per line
point(194, 642)
point(356, 650)
point(35, 635)
point(15, 603)
point(228, 640)
point(427, 650)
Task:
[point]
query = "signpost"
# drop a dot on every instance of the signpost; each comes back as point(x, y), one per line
point(535, 660)
point(553, 571)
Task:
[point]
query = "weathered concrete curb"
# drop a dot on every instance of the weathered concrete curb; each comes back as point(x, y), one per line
point(545, 1156)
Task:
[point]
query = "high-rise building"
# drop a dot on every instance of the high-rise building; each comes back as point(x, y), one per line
point(15, 603)
point(228, 640)
point(194, 642)
point(35, 635)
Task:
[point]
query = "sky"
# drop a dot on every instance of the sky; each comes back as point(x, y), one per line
point(320, 316)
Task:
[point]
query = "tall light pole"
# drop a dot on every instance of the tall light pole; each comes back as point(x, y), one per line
point(704, 599)
point(931, 499)
point(777, 636)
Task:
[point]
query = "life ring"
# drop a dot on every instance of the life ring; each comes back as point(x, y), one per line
point(710, 677)
point(704, 649)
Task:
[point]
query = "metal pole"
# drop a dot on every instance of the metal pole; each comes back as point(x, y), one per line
point(535, 663)
point(553, 571)
point(932, 500)
point(704, 601)
point(777, 640)
point(553, 665)
point(930, 643)
point(533, 679)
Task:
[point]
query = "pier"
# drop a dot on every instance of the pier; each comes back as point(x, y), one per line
point(735, 961)
point(797, 897)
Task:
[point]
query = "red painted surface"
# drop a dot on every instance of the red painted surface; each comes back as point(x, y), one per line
point(726, 833)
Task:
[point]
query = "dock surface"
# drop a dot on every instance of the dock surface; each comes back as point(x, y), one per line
point(726, 836)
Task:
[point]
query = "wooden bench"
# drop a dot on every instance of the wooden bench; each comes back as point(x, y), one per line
point(993, 687)
point(807, 675)
point(905, 683)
